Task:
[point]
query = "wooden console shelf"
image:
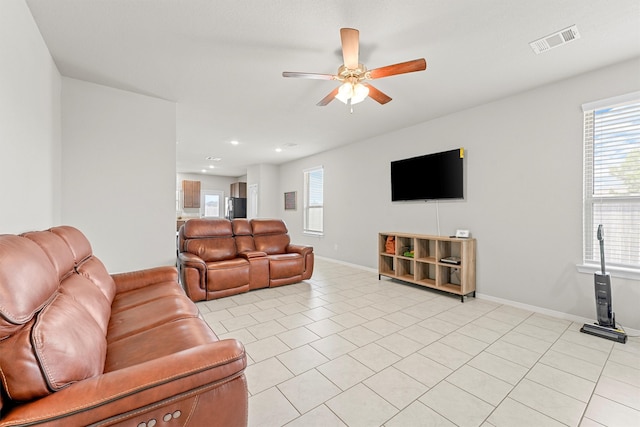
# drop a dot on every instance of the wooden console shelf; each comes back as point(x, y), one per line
point(419, 258)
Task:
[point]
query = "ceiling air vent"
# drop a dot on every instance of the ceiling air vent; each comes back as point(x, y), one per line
point(555, 39)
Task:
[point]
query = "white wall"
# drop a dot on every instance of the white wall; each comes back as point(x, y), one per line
point(270, 199)
point(119, 173)
point(29, 124)
point(523, 194)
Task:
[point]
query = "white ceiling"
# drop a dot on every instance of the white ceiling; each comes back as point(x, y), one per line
point(221, 61)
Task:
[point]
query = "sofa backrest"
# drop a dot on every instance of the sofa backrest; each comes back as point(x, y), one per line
point(270, 235)
point(210, 239)
point(86, 264)
point(242, 232)
point(53, 320)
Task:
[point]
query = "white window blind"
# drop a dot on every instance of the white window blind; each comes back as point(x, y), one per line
point(314, 200)
point(612, 183)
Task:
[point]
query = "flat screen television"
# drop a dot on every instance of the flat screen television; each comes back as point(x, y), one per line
point(429, 177)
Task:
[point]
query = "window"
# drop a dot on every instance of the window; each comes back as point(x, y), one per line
point(612, 181)
point(313, 200)
point(212, 204)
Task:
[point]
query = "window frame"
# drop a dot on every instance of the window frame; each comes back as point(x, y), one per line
point(591, 201)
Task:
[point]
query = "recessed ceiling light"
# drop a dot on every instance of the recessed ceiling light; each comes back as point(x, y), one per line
point(278, 150)
point(213, 159)
point(234, 142)
point(204, 171)
point(211, 166)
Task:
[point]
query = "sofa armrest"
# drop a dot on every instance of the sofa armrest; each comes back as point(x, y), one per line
point(191, 260)
point(248, 255)
point(307, 256)
point(139, 279)
point(137, 388)
point(299, 249)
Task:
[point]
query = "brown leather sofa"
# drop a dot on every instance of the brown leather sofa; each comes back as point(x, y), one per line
point(261, 255)
point(79, 346)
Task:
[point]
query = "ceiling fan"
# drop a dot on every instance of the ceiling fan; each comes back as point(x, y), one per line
point(352, 74)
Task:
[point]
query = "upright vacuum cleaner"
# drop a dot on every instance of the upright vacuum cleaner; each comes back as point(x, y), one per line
point(606, 326)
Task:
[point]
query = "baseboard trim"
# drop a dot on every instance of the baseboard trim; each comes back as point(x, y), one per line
point(547, 312)
point(358, 266)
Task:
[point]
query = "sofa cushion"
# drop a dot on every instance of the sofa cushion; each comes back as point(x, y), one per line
point(60, 346)
point(134, 320)
point(242, 233)
point(216, 249)
point(164, 340)
point(268, 226)
point(139, 296)
point(201, 228)
point(285, 265)
point(272, 244)
point(270, 236)
point(76, 240)
point(84, 262)
point(94, 270)
point(27, 282)
point(88, 296)
point(56, 250)
point(241, 227)
point(228, 274)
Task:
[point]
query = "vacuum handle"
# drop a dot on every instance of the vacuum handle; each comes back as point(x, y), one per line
point(601, 239)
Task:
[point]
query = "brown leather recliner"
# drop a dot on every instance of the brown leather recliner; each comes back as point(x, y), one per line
point(287, 263)
point(218, 257)
point(209, 263)
point(79, 346)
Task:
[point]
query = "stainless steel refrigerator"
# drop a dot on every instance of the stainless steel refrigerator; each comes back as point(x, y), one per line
point(236, 207)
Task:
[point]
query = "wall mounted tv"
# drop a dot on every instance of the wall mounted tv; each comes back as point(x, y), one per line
point(429, 177)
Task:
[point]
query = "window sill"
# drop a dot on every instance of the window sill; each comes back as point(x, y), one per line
point(624, 273)
point(313, 233)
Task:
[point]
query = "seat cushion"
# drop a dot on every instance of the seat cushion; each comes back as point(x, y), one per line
point(132, 321)
point(154, 343)
point(285, 265)
point(228, 274)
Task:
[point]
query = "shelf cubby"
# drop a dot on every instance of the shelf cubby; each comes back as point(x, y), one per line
point(426, 250)
point(386, 264)
point(425, 274)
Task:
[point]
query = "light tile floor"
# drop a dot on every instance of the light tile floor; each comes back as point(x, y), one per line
point(344, 348)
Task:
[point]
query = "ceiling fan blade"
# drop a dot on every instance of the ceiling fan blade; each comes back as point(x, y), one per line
point(316, 76)
point(327, 99)
point(377, 95)
point(350, 47)
point(401, 68)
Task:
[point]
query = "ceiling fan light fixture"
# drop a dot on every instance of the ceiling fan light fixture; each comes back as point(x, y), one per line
point(360, 93)
point(356, 92)
point(345, 91)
